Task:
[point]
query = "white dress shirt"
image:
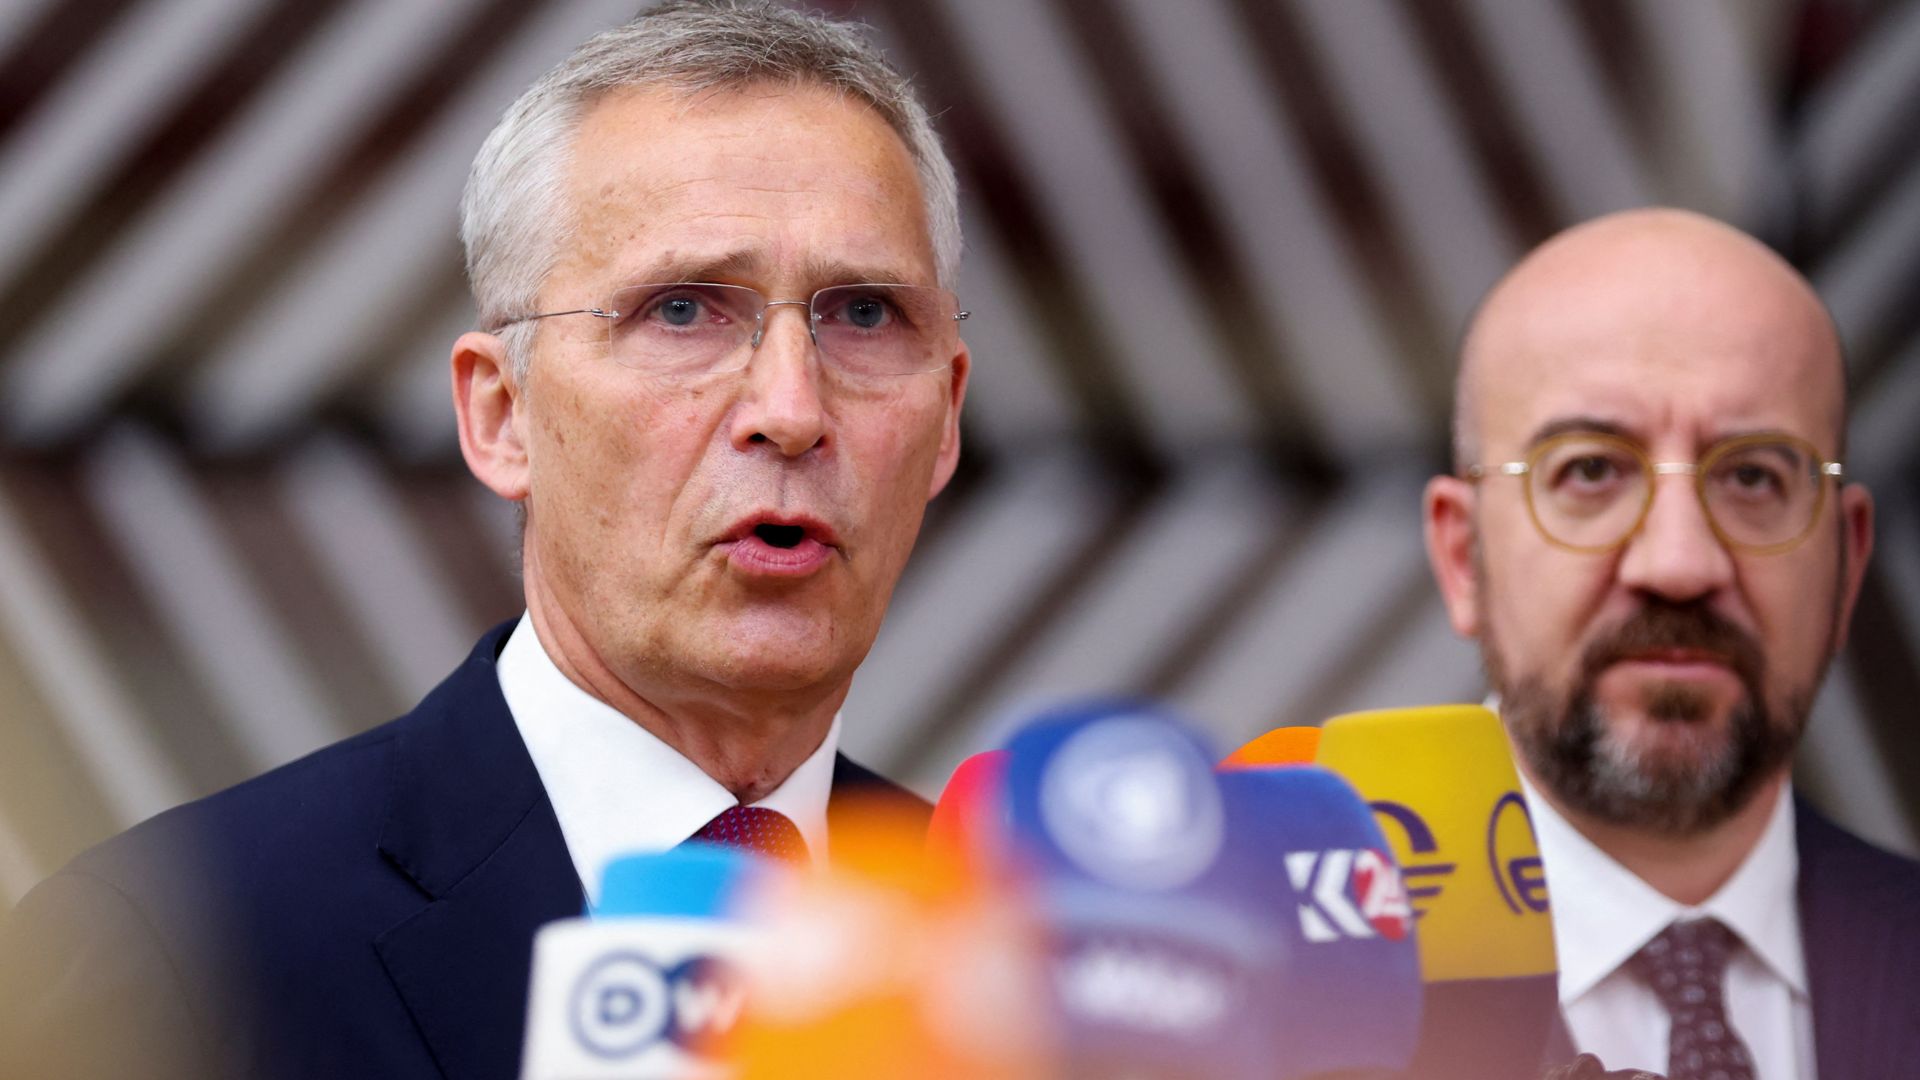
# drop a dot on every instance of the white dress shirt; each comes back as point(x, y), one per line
point(1603, 914)
point(616, 788)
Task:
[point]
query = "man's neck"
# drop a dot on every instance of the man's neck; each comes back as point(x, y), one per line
point(749, 743)
point(1686, 869)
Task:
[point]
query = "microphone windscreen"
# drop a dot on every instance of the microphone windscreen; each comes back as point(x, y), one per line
point(894, 963)
point(1443, 787)
point(1346, 995)
point(970, 820)
point(1281, 746)
point(1154, 950)
point(654, 981)
point(694, 881)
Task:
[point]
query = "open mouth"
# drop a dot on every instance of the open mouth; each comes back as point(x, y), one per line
point(781, 549)
point(785, 537)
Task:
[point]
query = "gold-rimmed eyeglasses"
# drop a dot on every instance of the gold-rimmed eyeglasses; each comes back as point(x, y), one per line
point(1590, 492)
point(698, 328)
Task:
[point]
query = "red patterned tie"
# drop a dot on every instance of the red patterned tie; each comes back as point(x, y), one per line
point(1686, 966)
point(757, 830)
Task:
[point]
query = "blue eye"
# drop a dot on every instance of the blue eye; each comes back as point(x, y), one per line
point(867, 313)
point(679, 310)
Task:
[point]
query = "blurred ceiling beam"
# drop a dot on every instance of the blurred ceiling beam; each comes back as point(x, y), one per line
point(1347, 370)
point(108, 732)
point(1357, 554)
point(1015, 398)
point(124, 85)
point(964, 594)
point(1175, 562)
point(318, 327)
point(1558, 92)
point(198, 583)
point(1859, 119)
point(376, 563)
point(1391, 99)
point(1714, 112)
point(102, 335)
point(1042, 98)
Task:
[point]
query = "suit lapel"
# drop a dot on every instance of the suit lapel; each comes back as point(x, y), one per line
point(1863, 967)
point(858, 789)
point(470, 824)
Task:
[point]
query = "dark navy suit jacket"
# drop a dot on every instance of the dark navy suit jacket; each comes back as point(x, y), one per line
point(366, 911)
point(1860, 930)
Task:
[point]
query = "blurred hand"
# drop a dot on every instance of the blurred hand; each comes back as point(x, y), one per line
point(1588, 1067)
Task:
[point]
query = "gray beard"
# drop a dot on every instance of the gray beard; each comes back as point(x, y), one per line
point(1568, 748)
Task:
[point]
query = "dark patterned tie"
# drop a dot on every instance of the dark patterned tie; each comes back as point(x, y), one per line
point(757, 830)
point(1686, 968)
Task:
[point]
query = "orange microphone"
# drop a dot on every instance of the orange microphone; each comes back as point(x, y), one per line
point(1298, 745)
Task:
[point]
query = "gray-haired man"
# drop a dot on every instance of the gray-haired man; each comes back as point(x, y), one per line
point(720, 371)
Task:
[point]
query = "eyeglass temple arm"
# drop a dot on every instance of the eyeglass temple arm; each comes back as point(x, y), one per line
point(597, 313)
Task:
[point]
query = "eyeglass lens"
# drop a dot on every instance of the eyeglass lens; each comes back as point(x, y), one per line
point(1590, 493)
point(864, 330)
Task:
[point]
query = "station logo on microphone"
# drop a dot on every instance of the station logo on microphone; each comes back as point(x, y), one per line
point(1132, 806)
point(625, 1004)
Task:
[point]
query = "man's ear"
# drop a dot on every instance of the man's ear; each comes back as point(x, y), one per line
point(1856, 536)
point(1447, 520)
point(486, 400)
point(949, 454)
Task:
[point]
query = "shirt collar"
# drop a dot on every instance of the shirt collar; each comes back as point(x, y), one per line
point(1603, 913)
point(616, 788)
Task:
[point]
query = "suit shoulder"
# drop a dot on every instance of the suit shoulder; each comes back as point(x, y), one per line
point(1834, 859)
point(340, 787)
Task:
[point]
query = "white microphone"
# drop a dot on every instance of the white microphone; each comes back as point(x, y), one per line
point(645, 987)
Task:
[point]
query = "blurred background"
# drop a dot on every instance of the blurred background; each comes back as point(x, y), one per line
point(1219, 253)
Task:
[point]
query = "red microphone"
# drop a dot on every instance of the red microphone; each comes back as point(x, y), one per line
point(970, 820)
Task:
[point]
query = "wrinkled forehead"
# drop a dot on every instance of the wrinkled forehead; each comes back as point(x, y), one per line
point(1679, 341)
point(703, 174)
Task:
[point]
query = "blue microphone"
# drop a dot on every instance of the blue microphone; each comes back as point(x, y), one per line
point(1346, 994)
point(647, 984)
point(1157, 953)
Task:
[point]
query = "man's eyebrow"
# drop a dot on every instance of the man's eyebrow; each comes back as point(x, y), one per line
point(1584, 425)
point(746, 263)
point(696, 268)
point(834, 272)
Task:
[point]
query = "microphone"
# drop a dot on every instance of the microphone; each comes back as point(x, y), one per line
point(894, 963)
point(1281, 746)
point(970, 820)
point(1346, 994)
point(651, 983)
point(1156, 949)
point(1442, 785)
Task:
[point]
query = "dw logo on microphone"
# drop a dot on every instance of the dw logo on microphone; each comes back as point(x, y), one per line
point(1349, 894)
point(625, 1004)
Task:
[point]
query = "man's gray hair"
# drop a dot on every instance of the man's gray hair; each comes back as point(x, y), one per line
point(515, 214)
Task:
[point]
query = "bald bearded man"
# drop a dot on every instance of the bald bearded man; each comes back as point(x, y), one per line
point(1651, 534)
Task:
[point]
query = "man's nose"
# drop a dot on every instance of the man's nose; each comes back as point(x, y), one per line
point(1676, 554)
point(781, 403)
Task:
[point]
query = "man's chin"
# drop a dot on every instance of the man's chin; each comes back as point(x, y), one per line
point(1666, 744)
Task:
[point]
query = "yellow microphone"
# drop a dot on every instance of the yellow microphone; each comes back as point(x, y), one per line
point(1442, 783)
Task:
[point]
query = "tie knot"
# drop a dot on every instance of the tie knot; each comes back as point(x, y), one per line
point(757, 830)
